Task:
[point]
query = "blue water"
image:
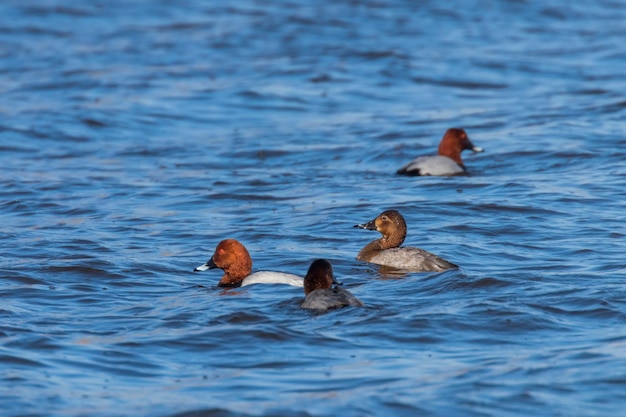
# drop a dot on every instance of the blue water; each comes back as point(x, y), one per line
point(134, 136)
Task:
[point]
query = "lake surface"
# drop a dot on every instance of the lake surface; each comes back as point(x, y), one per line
point(134, 136)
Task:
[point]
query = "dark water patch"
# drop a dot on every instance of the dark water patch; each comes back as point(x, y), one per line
point(264, 154)
point(485, 283)
point(34, 343)
point(88, 272)
point(146, 151)
point(94, 123)
point(322, 78)
point(251, 94)
point(614, 107)
point(240, 317)
point(16, 205)
point(246, 197)
point(135, 369)
point(510, 209)
point(37, 30)
point(268, 107)
point(372, 54)
point(502, 323)
point(50, 11)
point(8, 360)
point(18, 278)
point(218, 412)
point(462, 84)
point(599, 312)
point(397, 135)
point(76, 246)
point(78, 84)
point(14, 147)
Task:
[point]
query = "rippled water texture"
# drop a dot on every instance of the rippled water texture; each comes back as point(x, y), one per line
point(134, 136)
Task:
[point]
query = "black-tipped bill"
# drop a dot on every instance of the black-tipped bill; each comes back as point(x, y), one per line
point(369, 225)
point(335, 280)
point(208, 265)
point(469, 145)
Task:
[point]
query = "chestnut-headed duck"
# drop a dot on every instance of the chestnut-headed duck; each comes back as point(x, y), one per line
point(448, 159)
point(233, 258)
point(319, 290)
point(387, 251)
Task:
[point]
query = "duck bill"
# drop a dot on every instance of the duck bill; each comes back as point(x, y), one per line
point(470, 146)
point(208, 265)
point(335, 280)
point(371, 225)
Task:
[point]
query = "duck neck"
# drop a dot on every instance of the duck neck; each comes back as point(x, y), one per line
point(392, 241)
point(451, 152)
point(235, 273)
point(229, 284)
point(379, 245)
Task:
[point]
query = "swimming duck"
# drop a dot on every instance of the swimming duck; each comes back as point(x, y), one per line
point(387, 251)
point(319, 290)
point(448, 159)
point(233, 258)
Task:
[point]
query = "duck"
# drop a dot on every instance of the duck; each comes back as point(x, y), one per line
point(387, 251)
point(448, 159)
point(233, 258)
point(319, 291)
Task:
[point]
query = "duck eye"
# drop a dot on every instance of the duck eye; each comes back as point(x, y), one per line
point(385, 218)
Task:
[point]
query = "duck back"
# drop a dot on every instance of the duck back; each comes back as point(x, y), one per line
point(270, 277)
point(432, 165)
point(328, 298)
point(411, 259)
